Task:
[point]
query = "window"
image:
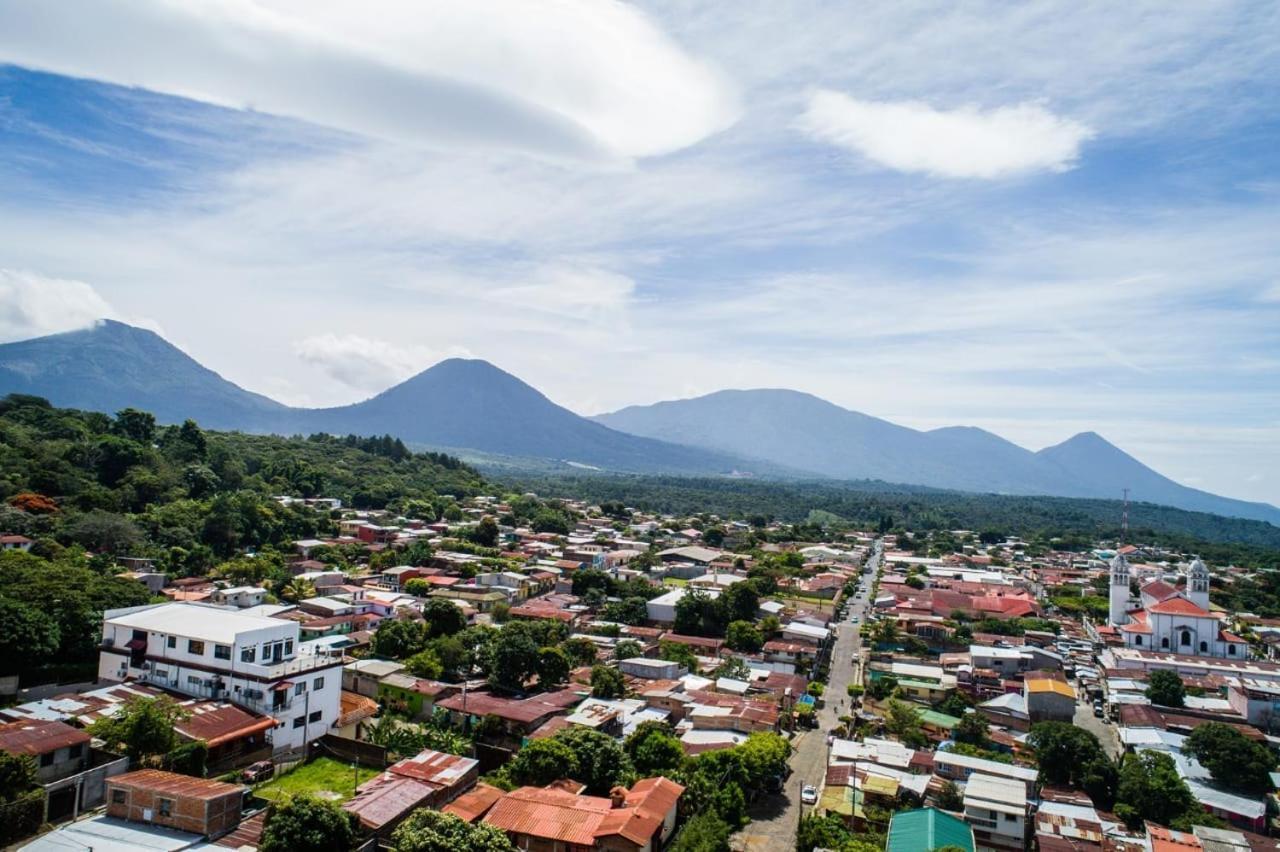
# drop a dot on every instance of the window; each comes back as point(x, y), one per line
point(195, 646)
point(118, 796)
point(1186, 637)
point(314, 717)
point(299, 688)
point(166, 807)
point(162, 674)
point(172, 641)
point(1010, 818)
point(1231, 650)
point(1204, 647)
point(319, 684)
point(222, 652)
point(46, 759)
point(288, 647)
point(1137, 640)
point(76, 750)
point(299, 722)
point(193, 680)
point(248, 655)
point(1164, 643)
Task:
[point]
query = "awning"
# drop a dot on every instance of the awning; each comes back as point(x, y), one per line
point(284, 684)
point(136, 644)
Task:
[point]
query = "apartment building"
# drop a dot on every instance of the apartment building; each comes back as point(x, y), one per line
point(208, 652)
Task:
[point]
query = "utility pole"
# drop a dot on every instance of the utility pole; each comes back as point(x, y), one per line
point(1124, 519)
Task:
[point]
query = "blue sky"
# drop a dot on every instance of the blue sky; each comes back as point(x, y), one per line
point(1039, 220)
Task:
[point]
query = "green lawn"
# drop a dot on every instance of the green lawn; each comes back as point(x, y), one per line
point(323, 777)
point(674, 581)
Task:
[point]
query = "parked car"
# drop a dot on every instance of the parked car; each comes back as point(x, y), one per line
point(260, 771)
point(1097, 709)
point(809, 794)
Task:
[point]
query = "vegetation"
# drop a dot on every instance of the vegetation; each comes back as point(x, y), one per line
point(1073, 756)
point(1165, 688)
point(307, 824)
point(429, 830)
point(1151, 789)
point(322, 775)
point(1235, 761)
point(142, 728)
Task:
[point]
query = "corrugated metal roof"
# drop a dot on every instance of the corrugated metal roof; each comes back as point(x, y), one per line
point(925, 829)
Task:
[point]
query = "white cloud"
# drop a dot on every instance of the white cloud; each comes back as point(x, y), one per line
point(32, 305)
point(365, 364)
point(910, 136)
point(586, 79)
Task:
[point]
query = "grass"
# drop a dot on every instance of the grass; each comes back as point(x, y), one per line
point(323, 777)
point(674, 581)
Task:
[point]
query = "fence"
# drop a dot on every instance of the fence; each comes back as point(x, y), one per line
point(348, 750)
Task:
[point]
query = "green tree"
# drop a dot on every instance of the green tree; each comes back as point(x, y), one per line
point(950, 798)
point(425, 664)
point(607, 682)
point(654, 750)
point(626, 649)
point(903, 722)
point(307, 824)
point(882, 687)
point(17, 775)
point(428, 830)
point(553, 667)
point(486, 532)
point(739, 602)
point(511, 659)
point(973, 730)
point(142, 728)
point(698, 614)
point(705, 832)
point(1062, 750)
point(135, 425)
point(1166, 688)
point(541, 762)
point(674, 652)
point(1234, 760)
point(1151, 789)
point(764, 756)
point(743, 636)
point(29, 637)
point(602, 764)
point(298, 589)
point(398, 638)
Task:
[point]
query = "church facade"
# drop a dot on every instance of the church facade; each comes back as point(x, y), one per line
point(1169, 620)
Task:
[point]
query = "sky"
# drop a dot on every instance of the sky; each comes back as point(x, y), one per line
point(1039, 219)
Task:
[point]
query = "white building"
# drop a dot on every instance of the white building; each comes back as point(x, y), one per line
point(1170, 620)
point(239, 596)
point(210, 652)
point(996, 808)
point(662, 609)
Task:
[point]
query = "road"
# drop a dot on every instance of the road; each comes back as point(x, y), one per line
point(775, 818)
point(1105, 733)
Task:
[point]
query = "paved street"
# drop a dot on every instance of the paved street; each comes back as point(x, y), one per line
point(774, 818)
point(1105, 733)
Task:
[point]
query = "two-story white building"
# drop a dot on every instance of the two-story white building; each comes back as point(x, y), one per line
point(213, 652)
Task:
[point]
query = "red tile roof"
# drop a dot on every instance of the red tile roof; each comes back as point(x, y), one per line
point(1159, 590)
point(1179, 606)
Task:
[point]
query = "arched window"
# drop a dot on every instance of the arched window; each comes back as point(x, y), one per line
point(1204, 647)
point(1137, 640)
point(1231, 650)
point(1186, 637)
point(1164, 643)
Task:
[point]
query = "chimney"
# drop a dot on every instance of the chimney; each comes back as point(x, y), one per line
point(618, 795)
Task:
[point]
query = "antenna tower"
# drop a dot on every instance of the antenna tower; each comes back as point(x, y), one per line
point(1124, 519)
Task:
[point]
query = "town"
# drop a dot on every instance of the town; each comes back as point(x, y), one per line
point(525, 671)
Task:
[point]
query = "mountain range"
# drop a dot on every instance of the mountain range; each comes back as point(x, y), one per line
point(472, 405)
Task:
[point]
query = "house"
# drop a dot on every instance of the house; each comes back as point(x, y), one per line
point(519, 716)
point(960, 767)
point(641, 819)
point(15, 542)
point(996, 808)
point(241, 597)
point(662, 609)
point(363, 676)
point(429, 779)
point(180, 802)
point(59, 750)
point(928, 828)
point(1048, 699)
point(643, 667)
point(414, 697)
point(354, 710)
point(209, 652)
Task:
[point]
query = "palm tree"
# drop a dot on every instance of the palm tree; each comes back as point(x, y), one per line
point(298, 589)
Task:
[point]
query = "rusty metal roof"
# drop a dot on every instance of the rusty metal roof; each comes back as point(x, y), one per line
point(173, 784)
point(34, 737)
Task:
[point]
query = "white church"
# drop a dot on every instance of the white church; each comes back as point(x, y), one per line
point(1172, 621)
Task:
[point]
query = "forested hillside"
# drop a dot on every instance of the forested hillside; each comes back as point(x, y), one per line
point(1076, 523)
point(187, 497)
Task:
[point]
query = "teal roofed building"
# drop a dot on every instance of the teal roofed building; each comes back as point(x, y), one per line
point(926, 829)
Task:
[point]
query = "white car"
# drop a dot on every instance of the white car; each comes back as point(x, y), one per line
point(809, 794)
